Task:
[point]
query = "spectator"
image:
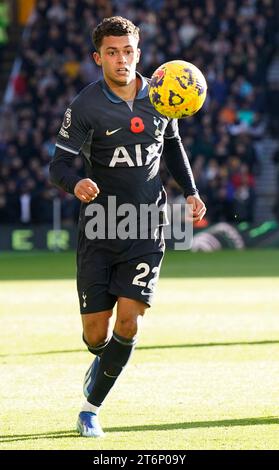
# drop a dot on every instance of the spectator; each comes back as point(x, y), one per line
point(232, 42)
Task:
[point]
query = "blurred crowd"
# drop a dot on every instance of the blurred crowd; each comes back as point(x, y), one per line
point(232, 43)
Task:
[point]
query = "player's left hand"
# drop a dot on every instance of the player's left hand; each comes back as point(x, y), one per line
point(198, 210)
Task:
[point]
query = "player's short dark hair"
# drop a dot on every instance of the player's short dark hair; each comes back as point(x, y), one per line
point(113, 26)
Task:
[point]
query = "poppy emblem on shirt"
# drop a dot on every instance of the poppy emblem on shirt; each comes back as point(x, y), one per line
point(137, 125)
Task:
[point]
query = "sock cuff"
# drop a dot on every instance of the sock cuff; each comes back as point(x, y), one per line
point(91, 408)
point(124, 341)
point(95, 349)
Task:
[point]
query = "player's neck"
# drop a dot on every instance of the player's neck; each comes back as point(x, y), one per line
point(127, 92)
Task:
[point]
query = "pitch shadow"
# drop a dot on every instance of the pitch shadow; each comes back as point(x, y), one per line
point(162, 346)
point(260, 421)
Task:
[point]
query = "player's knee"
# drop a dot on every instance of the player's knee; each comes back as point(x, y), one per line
point(127, 327)
point(93, 339)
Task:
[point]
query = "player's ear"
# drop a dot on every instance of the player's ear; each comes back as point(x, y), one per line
point(97, 58)
point(138, 55)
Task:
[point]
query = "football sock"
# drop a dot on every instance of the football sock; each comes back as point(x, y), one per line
point(98, 350)
point(113, 361)
point(89, 407)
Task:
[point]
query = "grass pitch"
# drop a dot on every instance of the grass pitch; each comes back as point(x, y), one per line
point(205, 374)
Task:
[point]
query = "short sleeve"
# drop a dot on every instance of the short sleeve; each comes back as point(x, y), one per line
point(74, 129)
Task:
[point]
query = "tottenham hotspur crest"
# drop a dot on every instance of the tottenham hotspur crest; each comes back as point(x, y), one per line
point(84, 296)
point(158, 131)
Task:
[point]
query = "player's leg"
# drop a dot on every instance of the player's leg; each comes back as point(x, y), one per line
point(119, 349)
point(132, 282)
point(97, 330)
point(129, 317)
point(96, 306)
point(112, 361)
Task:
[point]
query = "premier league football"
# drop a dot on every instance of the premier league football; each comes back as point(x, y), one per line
point(177, 89)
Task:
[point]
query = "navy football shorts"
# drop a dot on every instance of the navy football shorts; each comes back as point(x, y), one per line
point(108, 269)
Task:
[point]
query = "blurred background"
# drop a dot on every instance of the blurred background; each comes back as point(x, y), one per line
point(232, 143)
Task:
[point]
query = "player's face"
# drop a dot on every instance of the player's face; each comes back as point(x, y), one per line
point(118, 57)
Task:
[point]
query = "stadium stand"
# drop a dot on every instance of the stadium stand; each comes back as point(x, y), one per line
point(232, 42)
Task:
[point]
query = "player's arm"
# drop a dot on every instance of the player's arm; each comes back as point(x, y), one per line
point(179, 167)
point(71, 136)
point(64, 176)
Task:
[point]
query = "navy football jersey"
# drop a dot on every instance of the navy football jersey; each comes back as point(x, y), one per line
point(121, 142)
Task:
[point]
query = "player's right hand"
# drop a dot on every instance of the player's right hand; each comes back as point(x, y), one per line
point(86, 190)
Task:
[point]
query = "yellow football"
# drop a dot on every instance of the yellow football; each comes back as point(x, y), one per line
point(177, 89)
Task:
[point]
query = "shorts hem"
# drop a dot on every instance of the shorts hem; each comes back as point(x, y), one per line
point(102, 308)
point(132, 297)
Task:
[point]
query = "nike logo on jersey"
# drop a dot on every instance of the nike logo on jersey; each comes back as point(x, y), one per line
point(113, 132)
point(145, 293)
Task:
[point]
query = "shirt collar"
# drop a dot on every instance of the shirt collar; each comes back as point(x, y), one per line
point(142, 93)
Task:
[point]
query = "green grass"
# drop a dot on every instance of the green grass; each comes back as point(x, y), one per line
point(230, 263)
point(205, 374)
